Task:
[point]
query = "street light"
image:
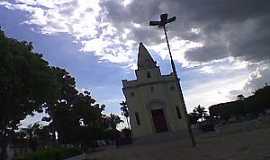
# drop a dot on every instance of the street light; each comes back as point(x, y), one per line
point(162, 24)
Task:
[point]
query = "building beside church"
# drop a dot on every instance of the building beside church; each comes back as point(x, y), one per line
point(153, 99)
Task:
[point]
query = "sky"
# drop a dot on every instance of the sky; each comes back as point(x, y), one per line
point(221, 48)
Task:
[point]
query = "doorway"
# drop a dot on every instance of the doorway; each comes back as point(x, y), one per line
point(159, 120)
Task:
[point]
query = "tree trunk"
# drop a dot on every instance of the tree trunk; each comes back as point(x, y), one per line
point(128, 123)
point(3, 143)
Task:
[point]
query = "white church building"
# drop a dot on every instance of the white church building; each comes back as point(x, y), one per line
point(153, 99)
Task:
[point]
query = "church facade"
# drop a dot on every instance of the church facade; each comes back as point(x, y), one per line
point(153, 99)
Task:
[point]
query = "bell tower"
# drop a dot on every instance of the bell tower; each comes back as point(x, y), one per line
point(147, 67)
point(153, 100)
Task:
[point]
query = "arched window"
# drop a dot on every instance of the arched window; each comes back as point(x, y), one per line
point(178, 112)
point(148, 75)
point(172, 88)
point(152, 89)
point(137, 118)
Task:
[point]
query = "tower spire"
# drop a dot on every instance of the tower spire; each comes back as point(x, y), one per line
point(145, 61)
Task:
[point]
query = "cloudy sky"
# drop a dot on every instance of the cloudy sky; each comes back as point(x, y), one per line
point(222, 47)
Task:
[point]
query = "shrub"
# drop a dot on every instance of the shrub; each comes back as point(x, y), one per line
point(206, 126)
point(51, 154)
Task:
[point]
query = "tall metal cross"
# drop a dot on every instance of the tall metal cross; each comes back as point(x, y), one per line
point(162, 24)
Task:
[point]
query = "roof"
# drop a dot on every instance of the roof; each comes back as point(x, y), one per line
point(145, 61)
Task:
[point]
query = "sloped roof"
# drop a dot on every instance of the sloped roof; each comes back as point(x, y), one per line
point(145, 60)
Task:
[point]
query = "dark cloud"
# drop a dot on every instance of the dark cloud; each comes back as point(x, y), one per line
point(237, 28)
point(136, 13)
point(207, 53)
point(223, 11)
point(241, 26)
point(251, 39)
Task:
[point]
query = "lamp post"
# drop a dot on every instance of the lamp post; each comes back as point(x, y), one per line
point(162, 24)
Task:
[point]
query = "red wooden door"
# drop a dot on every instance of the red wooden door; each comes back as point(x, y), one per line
point(159, 120)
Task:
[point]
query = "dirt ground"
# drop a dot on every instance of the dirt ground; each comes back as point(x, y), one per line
point(248, 145)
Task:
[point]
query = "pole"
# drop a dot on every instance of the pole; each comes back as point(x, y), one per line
point(168, 45)
point(128, 122)
point(180, 90)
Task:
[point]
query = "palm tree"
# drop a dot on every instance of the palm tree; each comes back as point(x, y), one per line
point(193, 117)
point(124, 110)
point(202, 113)
point(240, 97)
point(113, 120)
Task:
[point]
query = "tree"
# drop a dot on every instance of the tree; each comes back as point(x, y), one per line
point(240, 97)
point(58, 106)
point(90, 116)
point(44, 135)
point(201, 112)
point(26, 83)
point(262, 97)
point(113, 120)
point(193, 117)
point(111, 123)
point(31, 132)
point(76, 117)
point(243, 109)
point(251, 106)
point(124, 110)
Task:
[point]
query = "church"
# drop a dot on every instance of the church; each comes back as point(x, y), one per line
point(153, 99)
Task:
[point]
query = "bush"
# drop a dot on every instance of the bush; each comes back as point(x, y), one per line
point(51, 154)
point(125, 137)
point(206, 126)
point(126, 132)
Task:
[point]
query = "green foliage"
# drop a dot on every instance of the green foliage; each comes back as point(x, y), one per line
point(199, 113)
point(125, 137)
point(262, 97)
point(251, 106)
point(126, 132)
point(193, 117)
point(89, 115)
point(74, 116)
point(124, 109)
point(113, 120)
point(29, 84)
point(51, 154)
point(26, 83)
point(31, 130)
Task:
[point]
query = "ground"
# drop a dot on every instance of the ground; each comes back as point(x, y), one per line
point(240, 145)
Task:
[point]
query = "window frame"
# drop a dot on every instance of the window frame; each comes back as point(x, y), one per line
point(137, 117)
point(178, 112)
